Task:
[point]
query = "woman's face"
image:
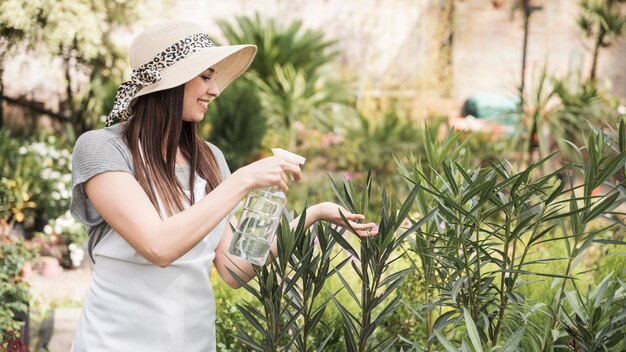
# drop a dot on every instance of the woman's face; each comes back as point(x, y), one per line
point(199, 92)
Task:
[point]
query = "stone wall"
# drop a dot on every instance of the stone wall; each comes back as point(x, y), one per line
point(390, 46)
point(488, 47)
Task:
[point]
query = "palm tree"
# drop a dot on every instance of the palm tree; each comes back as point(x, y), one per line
point(292, 70)
point(603, 21)
point(305, 50)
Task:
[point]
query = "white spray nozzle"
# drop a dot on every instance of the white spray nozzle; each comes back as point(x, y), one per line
point(288, 155)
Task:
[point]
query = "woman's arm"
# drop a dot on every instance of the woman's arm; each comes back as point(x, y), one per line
point(324, 211)
point(123, 204)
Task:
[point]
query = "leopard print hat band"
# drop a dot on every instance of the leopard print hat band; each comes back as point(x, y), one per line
point(150, 73)
point(157, 70)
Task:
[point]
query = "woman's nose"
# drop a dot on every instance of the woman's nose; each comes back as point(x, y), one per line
point(213, 89)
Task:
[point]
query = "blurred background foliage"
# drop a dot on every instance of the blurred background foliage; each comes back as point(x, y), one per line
point(488, 185)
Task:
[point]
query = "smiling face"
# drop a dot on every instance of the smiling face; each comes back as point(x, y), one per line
point(199, 92)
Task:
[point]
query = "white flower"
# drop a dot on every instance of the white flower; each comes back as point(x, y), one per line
point(55, 195)
point(23, 150)
point(77, 254)
point(47, 229)
point(46, 173)
point(621, 110)
point(39, 148)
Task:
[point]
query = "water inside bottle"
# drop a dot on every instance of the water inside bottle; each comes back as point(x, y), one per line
point(254, 234)
point(250, 248)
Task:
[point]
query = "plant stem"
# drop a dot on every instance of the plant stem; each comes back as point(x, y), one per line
point(555, 318)
point(596, 52)
point(307, 313)
point(478, 281)
point(365, 297)
point(468, 273)
point(503, 300)
point(429, 313)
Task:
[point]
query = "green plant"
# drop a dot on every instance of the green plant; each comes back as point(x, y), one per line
point(37, 174)
point(424, 244)
point(67, 228)
point(475, 253)
point(581, 104)
point(604, 22)
point(558, 111)
point(538, 110)
point(15, 202)
point(14, 294)
point(237, 123)
point(597, 321)
point(228, 319)
point(378, 296)
point(306, 50)
point(606, 156)
point(79, 34)
point(288, 289)
point(373, 142)
point(481, 238)
point(290, 95)
point(292, 70)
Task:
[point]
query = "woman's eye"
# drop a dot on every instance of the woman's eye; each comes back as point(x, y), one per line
point(206, 78)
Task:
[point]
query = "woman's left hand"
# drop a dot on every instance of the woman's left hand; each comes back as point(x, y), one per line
point(329, 211)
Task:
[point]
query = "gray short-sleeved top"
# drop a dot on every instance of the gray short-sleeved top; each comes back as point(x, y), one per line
point(132, 304)
point(105, 150)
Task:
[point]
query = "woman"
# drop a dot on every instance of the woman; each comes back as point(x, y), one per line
point(156, 198)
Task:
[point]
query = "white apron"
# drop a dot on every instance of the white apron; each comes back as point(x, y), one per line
point(134, 305)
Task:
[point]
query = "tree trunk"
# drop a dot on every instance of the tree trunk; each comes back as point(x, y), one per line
point(1, 94)
point(596, 52)
point(532, 131)
point(527, 13)
point(446, 48)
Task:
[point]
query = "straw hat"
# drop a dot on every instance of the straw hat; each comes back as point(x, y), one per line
point(171, 53)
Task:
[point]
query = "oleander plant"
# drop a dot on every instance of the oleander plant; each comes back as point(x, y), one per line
point(473, 257)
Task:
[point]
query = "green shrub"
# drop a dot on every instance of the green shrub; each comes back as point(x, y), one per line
point(14, 294)
point(39, 168)
point(237, 123)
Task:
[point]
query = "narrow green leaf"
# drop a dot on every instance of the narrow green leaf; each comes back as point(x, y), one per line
point(407, 205)
point(394, 276)
point(445, 342)
point(622, 136)
point(346, 285)
point(338, 193)
point(250, 318)
point(248, 340)
point(472, 331)
point(601, 207)
point(512, 343)
point(450, 178)
point(321, 346)
point(457, 287)
point(343, 242)
point(244, 284)
point(347, 188)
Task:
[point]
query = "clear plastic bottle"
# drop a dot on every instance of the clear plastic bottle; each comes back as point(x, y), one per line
point(263, 208)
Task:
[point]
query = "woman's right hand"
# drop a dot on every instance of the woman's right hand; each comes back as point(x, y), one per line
point(270, 171)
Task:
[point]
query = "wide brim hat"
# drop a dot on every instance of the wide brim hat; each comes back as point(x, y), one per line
point(172, 53)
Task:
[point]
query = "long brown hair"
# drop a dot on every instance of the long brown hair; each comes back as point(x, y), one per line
point(153, 135)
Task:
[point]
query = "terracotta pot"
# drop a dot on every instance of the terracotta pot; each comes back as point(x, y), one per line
point(27, 270)
point(48, 266)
